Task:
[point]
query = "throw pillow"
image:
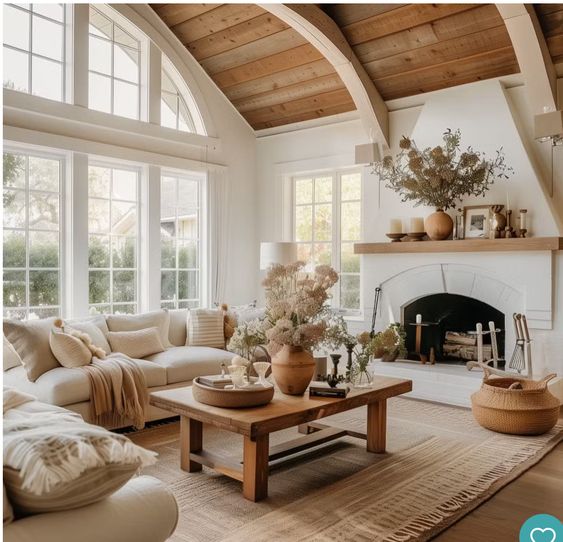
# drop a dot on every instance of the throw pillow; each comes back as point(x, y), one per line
point(31, 341)
point(205, 328)
point(70, 351)
point(55, 461)
point(136, 344)
point(96, 328)
point(126, 322)
point(11, 358)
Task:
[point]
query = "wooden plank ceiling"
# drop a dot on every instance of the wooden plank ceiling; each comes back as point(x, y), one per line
point(273, 76)
point(551, 21)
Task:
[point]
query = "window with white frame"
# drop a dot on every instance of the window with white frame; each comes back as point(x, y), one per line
point(113, 233)
point(180, 233)
point(32, 235)
point(327, 222)
point(114, 67)
point(34, 49)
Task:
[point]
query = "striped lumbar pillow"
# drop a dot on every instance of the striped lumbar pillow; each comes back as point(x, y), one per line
point(205, 328)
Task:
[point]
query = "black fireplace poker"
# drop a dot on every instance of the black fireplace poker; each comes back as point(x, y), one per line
point(377, 295)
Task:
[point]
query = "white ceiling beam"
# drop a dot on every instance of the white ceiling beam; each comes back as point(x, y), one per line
point(532, 54)
point(323, 33)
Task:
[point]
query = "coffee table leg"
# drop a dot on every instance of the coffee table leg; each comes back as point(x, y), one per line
point(255, 468)
point(377, 426)
point(191, 440)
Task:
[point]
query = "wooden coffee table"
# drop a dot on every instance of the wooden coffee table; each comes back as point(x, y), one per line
point(256, 424)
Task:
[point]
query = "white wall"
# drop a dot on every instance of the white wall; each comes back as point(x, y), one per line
point(485, 112)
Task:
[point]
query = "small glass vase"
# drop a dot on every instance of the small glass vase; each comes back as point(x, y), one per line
point(362, 378)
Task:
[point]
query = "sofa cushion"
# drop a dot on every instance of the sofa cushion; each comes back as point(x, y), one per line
point(10, 356)
point(54, 461)
point(96, 328)
point(206, 328)
point(130, 322)
point(184, 363)
point(136, 344)
point(63, 386)
point(31, 342)
point(70, 351)
point(178, 326)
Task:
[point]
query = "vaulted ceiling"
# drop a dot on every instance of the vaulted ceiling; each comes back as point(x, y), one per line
point(274, 76)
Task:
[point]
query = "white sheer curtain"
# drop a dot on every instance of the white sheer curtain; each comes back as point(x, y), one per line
point(219, 220)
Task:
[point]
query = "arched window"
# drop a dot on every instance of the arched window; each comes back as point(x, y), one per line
point(178, 109)
point(114, 67)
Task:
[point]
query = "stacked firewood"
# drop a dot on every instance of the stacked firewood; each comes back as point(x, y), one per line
point(463, 346)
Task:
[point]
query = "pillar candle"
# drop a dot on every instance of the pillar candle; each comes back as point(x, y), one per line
point(395, 225)
point(523, 219)
point(419, 318)
point(417, 224)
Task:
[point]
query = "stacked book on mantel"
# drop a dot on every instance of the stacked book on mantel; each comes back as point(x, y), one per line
point(463, 346)
point(215, 381)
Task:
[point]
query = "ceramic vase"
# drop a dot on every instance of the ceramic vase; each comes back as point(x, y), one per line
point(438, 225)
point(293, 369)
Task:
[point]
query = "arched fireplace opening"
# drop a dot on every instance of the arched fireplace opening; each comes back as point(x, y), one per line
point(447, 320)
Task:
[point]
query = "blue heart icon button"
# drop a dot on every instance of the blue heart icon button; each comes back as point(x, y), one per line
point(542, 528)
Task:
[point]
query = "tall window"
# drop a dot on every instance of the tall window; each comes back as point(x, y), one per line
point(34, 49)
point(32, 235)
point(327, 222)
point(114, 60)
point(113, 227)
point(180, 231)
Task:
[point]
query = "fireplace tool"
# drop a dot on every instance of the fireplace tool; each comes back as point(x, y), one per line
point(377, 295)
point(521, 357)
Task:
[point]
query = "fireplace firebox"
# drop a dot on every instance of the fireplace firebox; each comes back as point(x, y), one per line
point(448, 320)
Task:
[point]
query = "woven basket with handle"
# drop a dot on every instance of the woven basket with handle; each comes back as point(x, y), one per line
point(515, 405)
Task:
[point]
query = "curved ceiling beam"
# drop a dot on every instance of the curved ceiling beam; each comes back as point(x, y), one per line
point(323, 33)
point(532, 54)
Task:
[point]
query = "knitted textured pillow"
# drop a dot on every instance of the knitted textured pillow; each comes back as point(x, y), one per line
point(70, 351)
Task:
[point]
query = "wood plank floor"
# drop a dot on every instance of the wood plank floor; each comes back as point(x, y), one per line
point(538, 491)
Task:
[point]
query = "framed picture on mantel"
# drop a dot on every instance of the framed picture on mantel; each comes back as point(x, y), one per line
point(477, 221)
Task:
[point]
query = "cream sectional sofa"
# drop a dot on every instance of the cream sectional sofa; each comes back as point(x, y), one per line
point(177, 366)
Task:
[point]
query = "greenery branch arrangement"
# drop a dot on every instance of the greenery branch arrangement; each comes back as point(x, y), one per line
point(247, 337)
point(294, 300)
point(443, 175)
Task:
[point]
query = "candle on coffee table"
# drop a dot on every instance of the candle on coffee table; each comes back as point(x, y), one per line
point(417, 225)
point(395, 225)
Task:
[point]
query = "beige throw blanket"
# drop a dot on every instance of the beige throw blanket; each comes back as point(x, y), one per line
point(118, 391)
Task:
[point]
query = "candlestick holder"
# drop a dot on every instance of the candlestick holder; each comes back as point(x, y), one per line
point(416, 235)
point(395, 237)
point(508, 230)
point(522, 232)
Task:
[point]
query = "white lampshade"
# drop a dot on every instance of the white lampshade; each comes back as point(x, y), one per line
point(368, 153)
point(278, 252)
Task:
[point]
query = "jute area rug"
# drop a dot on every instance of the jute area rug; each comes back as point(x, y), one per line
point(439, 466)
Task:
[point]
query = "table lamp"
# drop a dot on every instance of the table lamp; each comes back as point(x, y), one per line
point(283, 253)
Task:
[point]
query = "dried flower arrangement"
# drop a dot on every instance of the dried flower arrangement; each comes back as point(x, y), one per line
point(443, 175)
point(294, 301)
point(390, 343)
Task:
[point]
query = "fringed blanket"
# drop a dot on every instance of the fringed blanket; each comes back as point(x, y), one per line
point(118, 391)
point(54, 446)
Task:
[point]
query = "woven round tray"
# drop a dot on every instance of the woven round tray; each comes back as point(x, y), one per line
point(248, 397)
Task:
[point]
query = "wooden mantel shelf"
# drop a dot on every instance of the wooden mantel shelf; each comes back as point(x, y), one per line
point(466, 245)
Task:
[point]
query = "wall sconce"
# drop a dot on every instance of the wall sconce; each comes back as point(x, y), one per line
point(368, 153)
point(549, 127)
